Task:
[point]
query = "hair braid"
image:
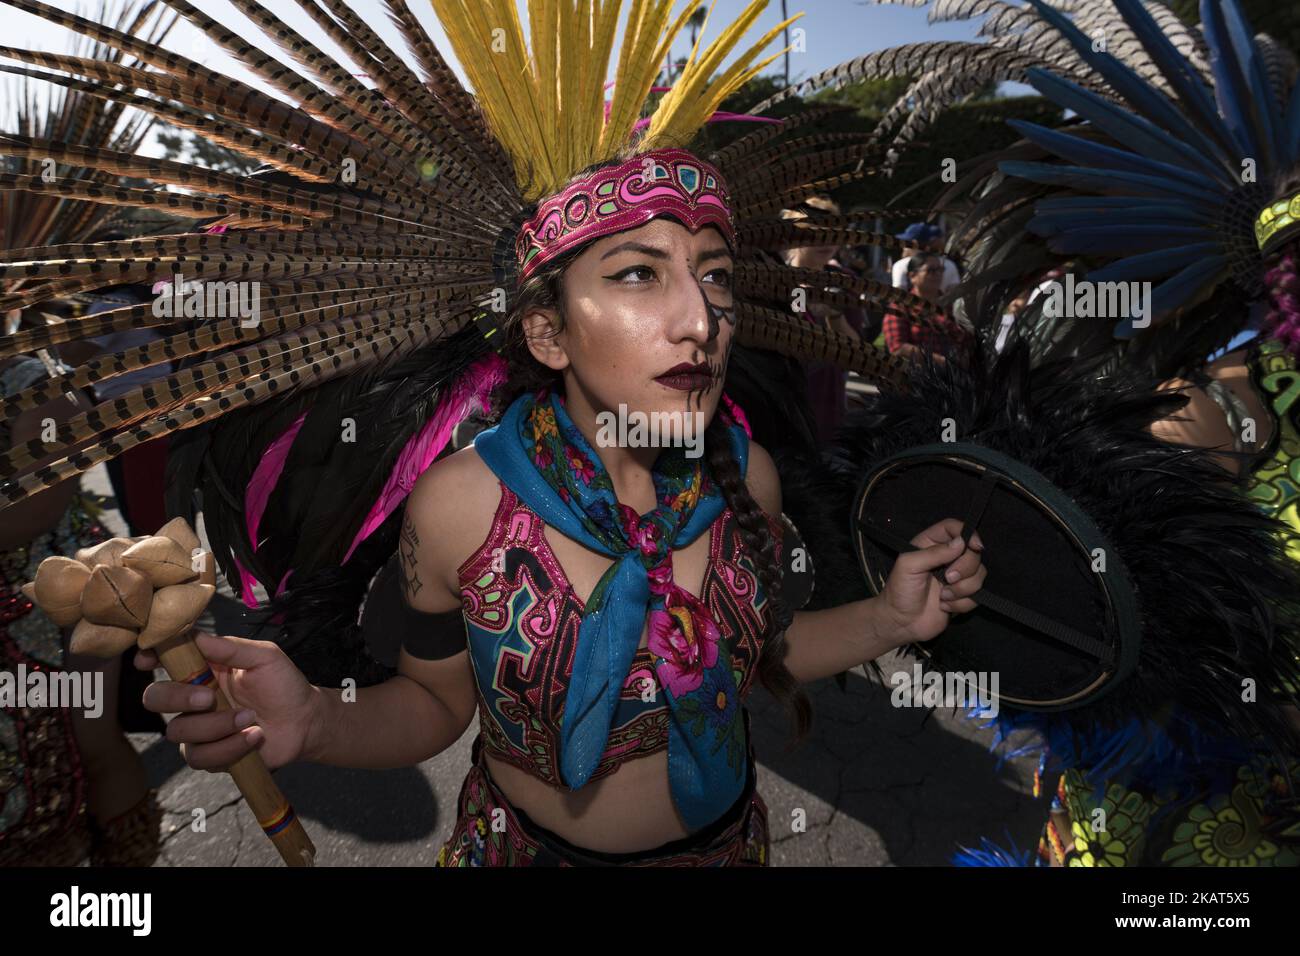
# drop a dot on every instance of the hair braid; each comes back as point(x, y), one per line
point(761, 547)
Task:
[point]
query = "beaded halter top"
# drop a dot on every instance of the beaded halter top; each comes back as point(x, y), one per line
point(522, 617)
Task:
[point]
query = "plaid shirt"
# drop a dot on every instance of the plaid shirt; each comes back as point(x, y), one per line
point(902, 330)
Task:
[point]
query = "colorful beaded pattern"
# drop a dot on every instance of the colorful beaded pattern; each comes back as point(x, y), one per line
point(618, 198)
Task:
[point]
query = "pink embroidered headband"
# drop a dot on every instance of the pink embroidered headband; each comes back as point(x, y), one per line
point(660, 182)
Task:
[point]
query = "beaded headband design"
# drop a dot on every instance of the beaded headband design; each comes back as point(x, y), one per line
point(660, 182)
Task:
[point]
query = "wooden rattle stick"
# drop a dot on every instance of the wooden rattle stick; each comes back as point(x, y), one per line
point(149, 593)
point(186, 664)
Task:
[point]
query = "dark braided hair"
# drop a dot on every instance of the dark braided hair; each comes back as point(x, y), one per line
point(761, 546)
point(544, 289)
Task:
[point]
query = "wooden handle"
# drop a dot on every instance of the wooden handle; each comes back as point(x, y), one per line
point(185, 663)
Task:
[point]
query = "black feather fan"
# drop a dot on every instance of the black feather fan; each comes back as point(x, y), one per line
point(318, 610)
point(1219, 600)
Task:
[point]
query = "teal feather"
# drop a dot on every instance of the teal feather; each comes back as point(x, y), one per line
point(1090, 153)
point(1162, 262)
point(1140, 134)
point(1108, 181)
point(1182, 78)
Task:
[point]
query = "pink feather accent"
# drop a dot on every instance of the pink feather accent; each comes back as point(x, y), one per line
point(265, 477)
point(246, 582)
point(737, 414)
point(472, 389)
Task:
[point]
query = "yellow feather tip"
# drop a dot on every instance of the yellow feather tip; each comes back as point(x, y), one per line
point(545, 99)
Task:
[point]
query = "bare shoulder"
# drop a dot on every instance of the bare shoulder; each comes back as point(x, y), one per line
point(763, 481)
point(448, 516)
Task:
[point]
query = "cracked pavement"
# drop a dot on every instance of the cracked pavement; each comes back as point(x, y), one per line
point(871, 785)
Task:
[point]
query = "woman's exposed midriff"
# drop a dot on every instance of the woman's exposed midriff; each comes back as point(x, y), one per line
point(627, 811)
point(631, 809)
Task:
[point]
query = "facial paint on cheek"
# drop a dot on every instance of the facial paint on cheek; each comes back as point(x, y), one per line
point(717, 315)
point(717, 368)
point(719, 374)
point(695, 397)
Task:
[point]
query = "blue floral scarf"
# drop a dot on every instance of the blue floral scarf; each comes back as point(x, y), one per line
point(544, 459)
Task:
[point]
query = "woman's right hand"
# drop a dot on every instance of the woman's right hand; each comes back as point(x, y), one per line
point(273, 705)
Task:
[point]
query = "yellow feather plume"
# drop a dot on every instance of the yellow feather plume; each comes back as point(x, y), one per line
point(544, 95)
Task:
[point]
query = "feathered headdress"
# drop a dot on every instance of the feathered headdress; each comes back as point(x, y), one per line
point(1174, 181)
point(546, 105)
point(386, 215)
point(1179, 165)
point(33, 217)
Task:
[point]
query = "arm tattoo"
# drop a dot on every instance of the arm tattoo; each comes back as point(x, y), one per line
point(410, 541)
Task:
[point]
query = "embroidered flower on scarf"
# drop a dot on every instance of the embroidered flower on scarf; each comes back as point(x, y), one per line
point(685, 637)
point(579, 464)
point(544, 425)
point(713, 712)
point(686, 498)
point(660, 577)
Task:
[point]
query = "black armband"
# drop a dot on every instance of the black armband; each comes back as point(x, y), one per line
point(388, 623)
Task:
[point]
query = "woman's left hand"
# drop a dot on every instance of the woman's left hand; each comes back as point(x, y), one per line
point(915, 604)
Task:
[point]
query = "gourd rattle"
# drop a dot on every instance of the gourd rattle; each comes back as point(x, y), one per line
point(149, 591)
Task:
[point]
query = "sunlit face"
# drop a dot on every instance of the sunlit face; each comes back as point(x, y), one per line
point(639, 307)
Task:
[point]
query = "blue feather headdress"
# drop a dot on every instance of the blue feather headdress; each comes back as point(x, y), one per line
point(1177, 143)
point(1166, 182)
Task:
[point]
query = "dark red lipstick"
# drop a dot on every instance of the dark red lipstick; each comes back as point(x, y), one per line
point(686, 377)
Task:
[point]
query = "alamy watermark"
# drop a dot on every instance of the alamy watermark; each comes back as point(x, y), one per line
point(208, 300)
point(76, 909)
point(976, 690)
point(636, 429)
point(1085, 299)
point(76, 690)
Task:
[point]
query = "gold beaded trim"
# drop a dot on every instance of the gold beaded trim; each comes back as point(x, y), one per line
point(1283, 215)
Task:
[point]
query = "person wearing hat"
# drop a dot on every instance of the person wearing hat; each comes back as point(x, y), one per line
point(922, 237)
point(934, 243)
point(913, 239)
point(942, 338)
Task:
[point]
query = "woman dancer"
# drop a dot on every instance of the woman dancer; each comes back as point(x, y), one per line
point(616, 272)
point(493, 544)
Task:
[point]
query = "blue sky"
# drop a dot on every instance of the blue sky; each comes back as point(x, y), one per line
point(835, 30)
